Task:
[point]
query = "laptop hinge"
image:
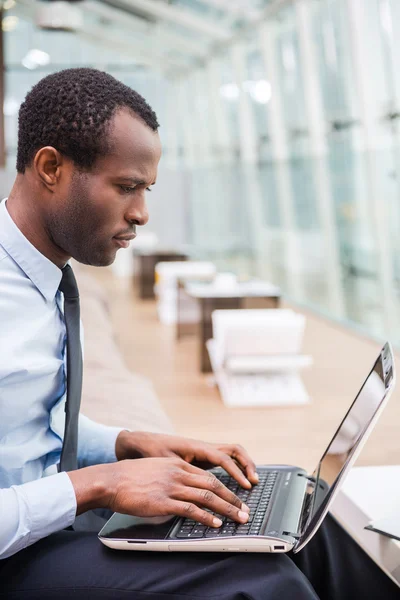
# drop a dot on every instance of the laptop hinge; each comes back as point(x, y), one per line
point(307, 503)
point(308, 477)
point(296, 536)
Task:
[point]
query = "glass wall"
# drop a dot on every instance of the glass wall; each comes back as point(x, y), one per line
point(32, 53)
point(309, 197)
point(280, 126)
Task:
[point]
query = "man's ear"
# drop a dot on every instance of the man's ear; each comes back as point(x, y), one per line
point(47, 165)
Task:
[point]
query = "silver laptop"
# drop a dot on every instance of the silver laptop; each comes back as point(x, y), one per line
point(287, 506)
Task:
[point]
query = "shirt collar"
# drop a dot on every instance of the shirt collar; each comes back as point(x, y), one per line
point(43, 273)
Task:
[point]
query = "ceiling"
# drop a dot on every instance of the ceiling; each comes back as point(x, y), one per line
point(171, 36)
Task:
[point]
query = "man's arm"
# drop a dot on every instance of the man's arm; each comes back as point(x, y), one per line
point(149, 487)
point(34, 510)
point(96, 442)
point(142, 487)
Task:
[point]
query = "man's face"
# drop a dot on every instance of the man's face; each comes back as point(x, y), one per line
point(94, 209)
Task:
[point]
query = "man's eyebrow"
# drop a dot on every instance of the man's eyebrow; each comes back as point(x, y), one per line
point(135, 181)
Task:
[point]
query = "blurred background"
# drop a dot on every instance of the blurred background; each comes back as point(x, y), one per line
point(280, 127)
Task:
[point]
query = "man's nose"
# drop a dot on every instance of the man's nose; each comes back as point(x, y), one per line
point(138, 213)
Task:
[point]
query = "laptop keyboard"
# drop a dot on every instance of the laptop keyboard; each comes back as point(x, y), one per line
point(257, 499)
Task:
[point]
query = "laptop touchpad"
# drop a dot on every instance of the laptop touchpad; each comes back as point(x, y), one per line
point(126, 527)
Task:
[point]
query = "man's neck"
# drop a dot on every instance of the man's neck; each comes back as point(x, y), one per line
point(24, 209)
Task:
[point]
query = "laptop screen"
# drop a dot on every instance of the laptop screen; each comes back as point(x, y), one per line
point(344, 446)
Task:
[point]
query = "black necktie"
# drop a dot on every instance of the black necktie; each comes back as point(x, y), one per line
point(69, 454)
point(69, 288)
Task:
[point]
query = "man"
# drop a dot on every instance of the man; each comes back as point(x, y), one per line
point(88, 150)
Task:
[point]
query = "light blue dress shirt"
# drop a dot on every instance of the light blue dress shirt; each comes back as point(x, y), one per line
point(35, 500)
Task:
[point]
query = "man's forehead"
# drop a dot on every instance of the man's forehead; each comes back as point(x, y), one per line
point(135, 149)
point(130, 133)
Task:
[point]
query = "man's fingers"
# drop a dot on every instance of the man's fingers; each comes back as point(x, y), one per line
point(234, 459)
point(193, 469)
point(207, 498)
point(231, 467)
point(208, 481)
point(189, 510)
point(222, 459)
point(243, 458)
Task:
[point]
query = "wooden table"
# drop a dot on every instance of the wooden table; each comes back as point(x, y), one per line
point(144, 267)
point(185, 328)
point(252, 294)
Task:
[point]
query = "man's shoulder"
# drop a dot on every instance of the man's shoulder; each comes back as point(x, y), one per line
point(7, 265)
point(3, 253)
point(10, 274)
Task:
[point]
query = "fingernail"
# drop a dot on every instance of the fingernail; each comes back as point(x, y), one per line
point(245, 508)
point(256, 477)
point(217, 522)
point(243, 516)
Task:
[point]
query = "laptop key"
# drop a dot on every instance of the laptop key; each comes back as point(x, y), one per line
point(242, 531)
point(183, 534)
point(196, 534)
point(212, 533)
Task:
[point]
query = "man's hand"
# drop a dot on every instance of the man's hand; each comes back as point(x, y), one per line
point(232, 457)
point(150, 487)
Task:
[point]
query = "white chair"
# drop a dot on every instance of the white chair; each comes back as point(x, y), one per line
point(256, 357)
point(166, 289)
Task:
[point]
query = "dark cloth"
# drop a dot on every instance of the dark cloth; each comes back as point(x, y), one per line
point(69, 454)
point(69, 288)
point(74, 565)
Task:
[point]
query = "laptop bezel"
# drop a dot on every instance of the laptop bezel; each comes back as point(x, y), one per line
point(317, 517)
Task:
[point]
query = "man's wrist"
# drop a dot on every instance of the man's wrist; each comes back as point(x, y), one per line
point(132, 444)
point(92, 487)
point(122, 444)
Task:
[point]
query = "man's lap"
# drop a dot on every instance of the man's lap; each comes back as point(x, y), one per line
point(73, 564)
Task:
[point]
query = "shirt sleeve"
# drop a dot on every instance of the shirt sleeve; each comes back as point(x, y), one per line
point(34, 510)
point(96, 442)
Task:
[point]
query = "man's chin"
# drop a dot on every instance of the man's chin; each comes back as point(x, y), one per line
point(104, 259)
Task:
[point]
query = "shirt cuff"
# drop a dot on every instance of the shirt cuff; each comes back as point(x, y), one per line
point(96, 442)
point(37, 509)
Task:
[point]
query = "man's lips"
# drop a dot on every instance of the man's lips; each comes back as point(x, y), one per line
point(128, 236)
point(123, 241)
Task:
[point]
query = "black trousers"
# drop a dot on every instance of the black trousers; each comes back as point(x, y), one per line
point(74, 565)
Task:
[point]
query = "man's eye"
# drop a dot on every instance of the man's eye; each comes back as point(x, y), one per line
point(127, 189)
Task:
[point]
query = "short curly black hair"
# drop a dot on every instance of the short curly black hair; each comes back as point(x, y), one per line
point(71, 110)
